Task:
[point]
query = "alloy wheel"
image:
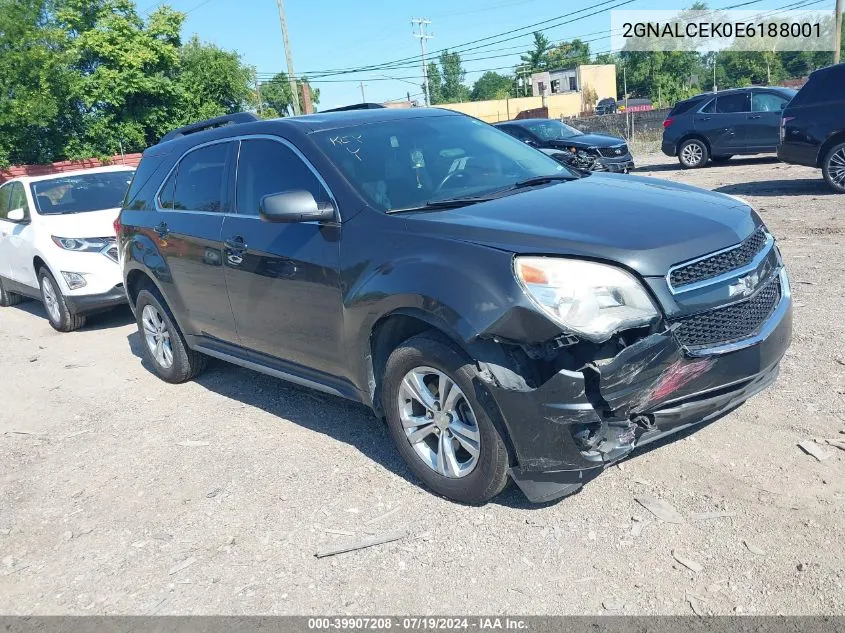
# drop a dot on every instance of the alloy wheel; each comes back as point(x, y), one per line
point(836, 167)
point(692, 154)
point(439, 422)
point(51, 300)
point(157, 336)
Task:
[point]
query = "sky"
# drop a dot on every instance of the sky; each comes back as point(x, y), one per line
point(342, 34)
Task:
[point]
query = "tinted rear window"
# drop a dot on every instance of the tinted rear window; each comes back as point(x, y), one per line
point(823, 86)
point(684, 106)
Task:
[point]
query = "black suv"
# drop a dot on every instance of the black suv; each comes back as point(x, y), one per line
point(813, 126)
point(505, 315)
point(719, 125)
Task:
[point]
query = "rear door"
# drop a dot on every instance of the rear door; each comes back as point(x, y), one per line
point(763, 125)
point(192, 203)
point(283, 278)
point(6, 228)
point(723, 121)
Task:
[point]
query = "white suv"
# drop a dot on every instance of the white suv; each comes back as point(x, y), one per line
point(57, 242)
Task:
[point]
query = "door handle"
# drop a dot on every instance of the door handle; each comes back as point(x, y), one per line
point(236, 243)
point(162, 230)
point(756, 116)
point(704, 118)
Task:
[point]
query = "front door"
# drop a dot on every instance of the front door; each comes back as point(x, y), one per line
point(283, 278)
point(16, 237)
point(763, 128)
point(192, 204)
point(723, 123)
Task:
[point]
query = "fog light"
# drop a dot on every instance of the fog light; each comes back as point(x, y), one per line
point(74, 280)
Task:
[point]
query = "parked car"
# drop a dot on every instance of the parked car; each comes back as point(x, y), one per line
point(606, 106)
point(507, 315)
point(813, 126)
point(593, 152)
point(57, 242)
point(720, 125)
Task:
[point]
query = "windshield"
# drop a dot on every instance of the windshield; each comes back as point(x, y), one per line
point(80, 193)
point(408, 163)
point(552, 130)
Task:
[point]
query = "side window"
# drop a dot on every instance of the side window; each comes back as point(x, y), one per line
point(730, 104)
point(165, 198)
point(17, 199)
point(5, 193)
point(201, 180)
point(710, 108)
point(767, 102)
point(266, 167)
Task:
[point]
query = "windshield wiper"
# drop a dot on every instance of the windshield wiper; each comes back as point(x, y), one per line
point(541, 180)
point(448, 203)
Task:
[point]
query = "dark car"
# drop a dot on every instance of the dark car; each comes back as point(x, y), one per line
point(507, 316)
point(606, 106)
point(595, 152)
point(719, 125)
point(813, 126)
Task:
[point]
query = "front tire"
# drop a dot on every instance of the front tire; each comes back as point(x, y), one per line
point(833, 168)
point(693, 153)
point(58, 313)
point(8, 298)
point(441, 429)
point(162, 342)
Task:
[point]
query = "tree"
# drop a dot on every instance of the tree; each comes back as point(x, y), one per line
point(491, 85)
point(536, 60)
point(124, 90)
point(446, 82)
point(276, 94)
point(212, 82)
point(36, 83)
point(568, 55)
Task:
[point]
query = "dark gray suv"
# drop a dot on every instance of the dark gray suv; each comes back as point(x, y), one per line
point(716, 126)
point(508, 317)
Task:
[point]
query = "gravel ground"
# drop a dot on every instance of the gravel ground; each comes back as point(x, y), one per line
point(120, 494)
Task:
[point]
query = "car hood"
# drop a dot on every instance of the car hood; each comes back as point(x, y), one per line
point(85, 224)
point(589, 140)
point(645, 224)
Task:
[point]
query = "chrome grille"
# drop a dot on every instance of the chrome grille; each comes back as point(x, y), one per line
point(733, 322)
point(610, 152)
point(740, 255)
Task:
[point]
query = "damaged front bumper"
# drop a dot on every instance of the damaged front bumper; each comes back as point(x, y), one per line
point(566, 431)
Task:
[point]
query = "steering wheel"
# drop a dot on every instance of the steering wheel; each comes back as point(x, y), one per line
point(452, 177)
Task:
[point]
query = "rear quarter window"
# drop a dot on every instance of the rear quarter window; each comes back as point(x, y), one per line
point(684, 106)
point(822, 87)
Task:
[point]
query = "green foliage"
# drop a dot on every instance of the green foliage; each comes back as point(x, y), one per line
point(447, 81)
point(535, 60)
point(276, 95)
point(568, 55)
point(83, 78)
point(491, 85)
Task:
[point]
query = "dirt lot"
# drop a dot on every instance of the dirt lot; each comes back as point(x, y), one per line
point(120, 494)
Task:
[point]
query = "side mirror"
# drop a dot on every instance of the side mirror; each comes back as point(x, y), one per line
point(294, 206)
point(15, 215)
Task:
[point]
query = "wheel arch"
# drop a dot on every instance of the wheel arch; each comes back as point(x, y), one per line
point(698, 136)
point(833, 139)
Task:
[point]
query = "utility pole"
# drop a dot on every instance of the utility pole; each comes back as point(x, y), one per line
point(289, 58)
point(715, 59)
point(423, 36)
point(837, 33)
point(363, 98)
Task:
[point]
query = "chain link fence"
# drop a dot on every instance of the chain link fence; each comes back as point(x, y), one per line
point(642, 130)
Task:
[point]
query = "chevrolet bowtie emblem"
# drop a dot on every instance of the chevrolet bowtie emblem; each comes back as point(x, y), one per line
point(744, 286)
point(618, 151)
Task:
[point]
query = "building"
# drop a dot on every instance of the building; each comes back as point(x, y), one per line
point(600, 77)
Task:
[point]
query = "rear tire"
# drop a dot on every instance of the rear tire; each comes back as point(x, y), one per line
point(8, 298)
point(162, 342)
point(693, 153)
point(58, 313)
point(460, 453)
point(833, 168)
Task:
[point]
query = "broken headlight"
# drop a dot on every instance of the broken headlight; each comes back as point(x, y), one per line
point(588, 299)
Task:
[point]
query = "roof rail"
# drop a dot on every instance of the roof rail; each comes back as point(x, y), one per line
point(226, 119)
point(355, 106)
